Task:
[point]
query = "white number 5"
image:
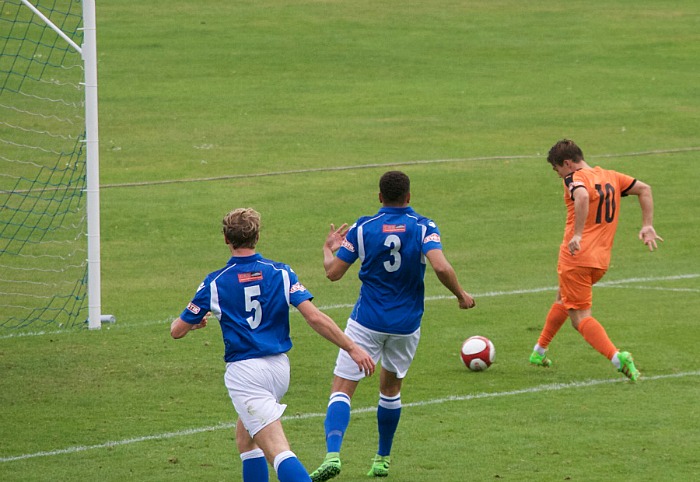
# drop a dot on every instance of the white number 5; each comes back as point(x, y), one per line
point(253, 305)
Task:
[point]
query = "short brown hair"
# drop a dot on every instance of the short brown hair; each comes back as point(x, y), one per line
point(242, 227)
point(563, 150)
point(395, 187)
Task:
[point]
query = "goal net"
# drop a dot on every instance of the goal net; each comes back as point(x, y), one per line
point(45, 252)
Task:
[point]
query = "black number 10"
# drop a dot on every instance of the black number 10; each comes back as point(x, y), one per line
point(607, 198)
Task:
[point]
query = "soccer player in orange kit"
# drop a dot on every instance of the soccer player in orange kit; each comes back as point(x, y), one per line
point(592, 197)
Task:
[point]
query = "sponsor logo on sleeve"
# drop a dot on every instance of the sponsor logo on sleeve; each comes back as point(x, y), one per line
point(248, 277)
point(192, 308)
point(297, 287)
point(575, 184)
point(348, 245)
point(432, 238)
point(394, 228)
point(200, 288)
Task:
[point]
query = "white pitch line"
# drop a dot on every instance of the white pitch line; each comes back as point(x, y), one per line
point(644, 280)
point(602, 284)
point(487, 294)
point(455, 398)
point(656, 288)
point(356, 167)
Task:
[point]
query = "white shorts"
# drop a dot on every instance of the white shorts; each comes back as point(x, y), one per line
point(395, 352)
point(256, 387)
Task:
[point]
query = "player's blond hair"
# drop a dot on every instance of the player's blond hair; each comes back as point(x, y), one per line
point(242, 227)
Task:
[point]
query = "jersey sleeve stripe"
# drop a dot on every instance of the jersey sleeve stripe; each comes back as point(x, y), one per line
point(624, 191)
point(573, 188)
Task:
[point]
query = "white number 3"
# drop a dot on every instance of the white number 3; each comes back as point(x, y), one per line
point(393, 242)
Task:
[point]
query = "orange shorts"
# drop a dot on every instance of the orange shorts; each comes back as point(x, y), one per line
point(576, 285)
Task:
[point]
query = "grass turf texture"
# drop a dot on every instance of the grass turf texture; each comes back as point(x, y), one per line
point(191, 90)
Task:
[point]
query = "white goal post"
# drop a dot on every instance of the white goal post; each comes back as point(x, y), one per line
point(20, 139)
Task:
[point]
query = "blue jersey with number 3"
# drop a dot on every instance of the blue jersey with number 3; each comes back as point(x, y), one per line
point(250, 297)
point(391, 246)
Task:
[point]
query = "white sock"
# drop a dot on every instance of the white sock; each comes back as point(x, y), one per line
point(616, 360)
point(252, 454)
point(281, 457)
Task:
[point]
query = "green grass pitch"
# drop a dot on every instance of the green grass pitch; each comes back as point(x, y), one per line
point(296, 107)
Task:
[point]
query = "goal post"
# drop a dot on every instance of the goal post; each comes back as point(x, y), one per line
point(49, 165)
point(89, 54)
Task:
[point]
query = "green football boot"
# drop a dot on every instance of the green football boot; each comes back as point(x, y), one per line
point(540, 360)
point(328, 469)
point(380, 466)
point(627, 366)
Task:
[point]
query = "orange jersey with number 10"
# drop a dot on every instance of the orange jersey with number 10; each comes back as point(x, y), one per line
point(605, 189)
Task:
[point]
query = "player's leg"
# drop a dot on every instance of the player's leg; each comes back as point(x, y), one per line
point(579, 298)
point(577, 291)
point(593, 332)
point(346, 378)
point(388, 410)
point(256, 387)
point(338, 412)
point(388, 416)
point(397, 356)
point(274, 444)
point(253, 458)
point(556, 317)
point(596, 336)
point(335, 425)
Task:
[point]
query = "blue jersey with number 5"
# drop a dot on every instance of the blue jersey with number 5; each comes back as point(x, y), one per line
point(250, 297)
point(391, 246)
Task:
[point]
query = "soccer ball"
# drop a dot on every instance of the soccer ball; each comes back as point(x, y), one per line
point(478, 353)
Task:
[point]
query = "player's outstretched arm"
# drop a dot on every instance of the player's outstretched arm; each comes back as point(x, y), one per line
point(336, 237)
point(335, 268)
point(447, 276)
point(179, 328)
point(649, 237)
point(326, 327)
point(646, 201)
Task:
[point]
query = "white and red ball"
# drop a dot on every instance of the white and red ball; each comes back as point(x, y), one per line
point(478, 353)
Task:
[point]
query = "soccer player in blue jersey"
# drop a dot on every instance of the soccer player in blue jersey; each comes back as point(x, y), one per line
point(250, 297)
point(392, 246)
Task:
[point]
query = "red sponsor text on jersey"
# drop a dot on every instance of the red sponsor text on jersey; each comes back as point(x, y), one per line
point(248, 277)
point(394, 228)
point(193, 308)
point(297, 287)
point(348, 245)
point(435, 237)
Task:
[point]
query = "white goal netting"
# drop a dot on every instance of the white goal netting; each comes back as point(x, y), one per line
point(43, 245)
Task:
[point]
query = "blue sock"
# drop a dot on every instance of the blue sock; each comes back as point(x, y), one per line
point(337, 420)
point(388, 415)
point(254, 466)
point(289, 469)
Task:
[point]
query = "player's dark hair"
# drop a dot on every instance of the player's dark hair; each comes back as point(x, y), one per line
point(242, 227)
point(563, 150)
point(395, 187)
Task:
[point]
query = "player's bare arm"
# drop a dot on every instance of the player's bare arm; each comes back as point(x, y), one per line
point(646, 201)
point(179, 328)
point(447, 276)
point(326, 327)
point(581, 198)
point(336, 237)
point(335, 268)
